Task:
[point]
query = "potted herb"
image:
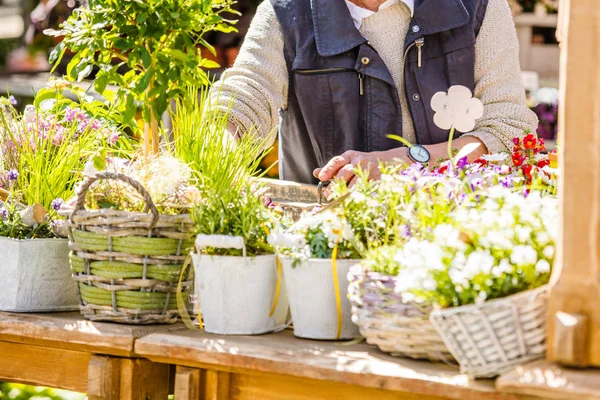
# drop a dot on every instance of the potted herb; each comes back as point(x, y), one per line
point(317, 253)
point(237, 279)
point(42, 155)
point(157, 45)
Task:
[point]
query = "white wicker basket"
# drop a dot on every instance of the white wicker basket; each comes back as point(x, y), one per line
point(387, 322)
point(497, 335)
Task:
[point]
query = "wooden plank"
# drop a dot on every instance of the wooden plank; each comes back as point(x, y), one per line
point(187, 383)
point(72, 331)
point(278, 387)
point(283, 354)
point(550, 381)
point(104, 374)
point(216, 386)
point(576, 278)
point(43, 366)
point(144, 380)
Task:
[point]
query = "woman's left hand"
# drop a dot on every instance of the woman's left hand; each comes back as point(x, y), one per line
point(342, 167)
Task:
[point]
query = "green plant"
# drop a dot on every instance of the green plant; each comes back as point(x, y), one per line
point(158, 41)
point(44, 150)
point(16, 391)
point(227, 171)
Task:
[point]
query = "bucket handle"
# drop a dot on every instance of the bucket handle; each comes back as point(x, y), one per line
point(149, 204)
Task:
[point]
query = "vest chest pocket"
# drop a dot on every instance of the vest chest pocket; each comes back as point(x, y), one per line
point(331, 102)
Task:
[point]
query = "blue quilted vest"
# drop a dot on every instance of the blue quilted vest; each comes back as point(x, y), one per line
point(342, 96)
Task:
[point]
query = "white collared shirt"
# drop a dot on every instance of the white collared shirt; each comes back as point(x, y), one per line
point(359, 13)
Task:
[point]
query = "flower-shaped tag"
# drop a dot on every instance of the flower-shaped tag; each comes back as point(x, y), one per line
point(456, 109)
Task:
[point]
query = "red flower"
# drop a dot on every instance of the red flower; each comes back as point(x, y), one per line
point(517, 159)
point(530, 141)
point(481, 162)
point(527, 171)
point(516, 141)
point(543, 163)
point(442, 170)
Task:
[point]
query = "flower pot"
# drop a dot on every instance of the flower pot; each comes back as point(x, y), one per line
point(490, 338)
point(311, 291)
point(36, 276)
point(236, 294)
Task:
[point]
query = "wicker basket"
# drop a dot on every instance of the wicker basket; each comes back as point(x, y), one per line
point(128, 264)
point(386, 321)
point(497, 335)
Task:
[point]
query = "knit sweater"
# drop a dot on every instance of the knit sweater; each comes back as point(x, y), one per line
point(257, 84)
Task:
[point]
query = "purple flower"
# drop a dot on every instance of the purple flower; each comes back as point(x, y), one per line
point(3, 213)
point(70, 114)
point(405, 231)
point(95, 125)
point(13, 101)
point(113, 138)
point(13, 175)
point(462, 163)
point(57, 204)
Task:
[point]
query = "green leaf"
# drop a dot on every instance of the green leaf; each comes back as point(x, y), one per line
point(101, 82)
point(44, 94)
point(143, 83)
point(177, 54)
point(85, 72)
point(206, 63)
point(130, 109)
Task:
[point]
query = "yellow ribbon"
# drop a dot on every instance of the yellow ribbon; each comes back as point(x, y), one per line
point(185, 316)
point(336, 286)
point(278, 286)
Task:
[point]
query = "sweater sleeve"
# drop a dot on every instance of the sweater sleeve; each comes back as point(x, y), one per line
point(256, 86)
point(498, 81)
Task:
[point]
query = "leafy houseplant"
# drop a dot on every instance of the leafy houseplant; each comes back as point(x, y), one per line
point(158, 42)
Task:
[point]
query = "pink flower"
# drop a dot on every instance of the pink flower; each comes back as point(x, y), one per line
point(113, 138)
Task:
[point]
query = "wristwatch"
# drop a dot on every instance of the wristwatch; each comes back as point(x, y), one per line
point(419, 154)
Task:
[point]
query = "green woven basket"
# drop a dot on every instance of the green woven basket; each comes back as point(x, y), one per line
point(128, 264)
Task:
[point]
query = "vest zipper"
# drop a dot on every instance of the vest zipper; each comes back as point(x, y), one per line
point(323, 71)
point(419, 42)
point(361, 78)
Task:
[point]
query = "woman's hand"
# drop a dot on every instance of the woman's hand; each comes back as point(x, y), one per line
point(342, 167)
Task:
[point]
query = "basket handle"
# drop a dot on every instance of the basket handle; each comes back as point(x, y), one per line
point(149, 204)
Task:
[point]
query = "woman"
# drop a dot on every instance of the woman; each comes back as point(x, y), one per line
point(339, 76)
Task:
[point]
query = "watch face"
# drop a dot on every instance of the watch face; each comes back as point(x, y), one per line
point(419, 154)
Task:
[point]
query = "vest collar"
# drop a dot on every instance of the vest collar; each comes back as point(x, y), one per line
point(435, 16)
point(335, 32)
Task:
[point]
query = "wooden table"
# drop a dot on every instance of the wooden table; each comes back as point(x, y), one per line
point(66, 351)
point(282, 367)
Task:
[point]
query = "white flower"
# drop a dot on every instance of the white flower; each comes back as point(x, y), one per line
point(548, 252)
point(29, 114)
point(523, 233)
point(456, 109)
point(523, 255)
point(496, 157)
point(542, 266)
point(478, 262)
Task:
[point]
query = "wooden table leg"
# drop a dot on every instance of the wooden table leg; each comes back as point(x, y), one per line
point(216, 385)
point(144, 380)
point(104, 374)
point(187, 383)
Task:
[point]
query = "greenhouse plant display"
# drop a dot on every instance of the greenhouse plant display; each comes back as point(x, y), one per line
point(316, 254)
point(42, 154)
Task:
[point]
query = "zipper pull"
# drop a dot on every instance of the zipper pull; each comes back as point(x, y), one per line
point(419, 42)
point(361, 78)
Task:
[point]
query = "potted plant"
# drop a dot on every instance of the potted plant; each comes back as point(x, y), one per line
point(237, 279)
point(130, 232)
point(157, 46)
point(317, 253)
point(42, 155)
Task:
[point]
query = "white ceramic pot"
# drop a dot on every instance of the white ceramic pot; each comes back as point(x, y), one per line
point(236, 294)
point(311, 293)
point(36, 276)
